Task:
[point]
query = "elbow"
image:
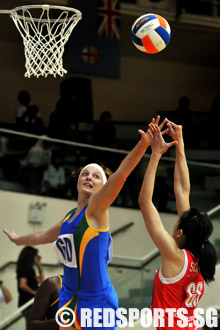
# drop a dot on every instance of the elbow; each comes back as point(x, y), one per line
point(144, 203)
point(141, 201)
point(22, 287)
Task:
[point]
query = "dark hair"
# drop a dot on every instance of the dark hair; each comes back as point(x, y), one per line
point(24, 97)
point(197, 227)
point(184, 101)
point(26, 258)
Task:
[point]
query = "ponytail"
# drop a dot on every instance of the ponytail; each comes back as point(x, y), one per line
point(207, 261)
point(197, 227)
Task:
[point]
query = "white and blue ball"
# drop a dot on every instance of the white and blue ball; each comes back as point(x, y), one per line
point(150, 33)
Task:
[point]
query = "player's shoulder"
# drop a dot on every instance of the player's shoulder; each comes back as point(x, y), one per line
point(68, 214)
point(50, 283)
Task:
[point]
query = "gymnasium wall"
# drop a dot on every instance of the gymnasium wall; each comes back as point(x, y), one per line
point(148, 83)
point(15, 212)
point(134, 242)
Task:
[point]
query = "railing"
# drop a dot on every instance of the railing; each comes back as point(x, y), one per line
point(18, 174)
point(131, 276)
point(14, 317)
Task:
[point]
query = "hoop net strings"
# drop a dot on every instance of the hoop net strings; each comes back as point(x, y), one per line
point(44, 41)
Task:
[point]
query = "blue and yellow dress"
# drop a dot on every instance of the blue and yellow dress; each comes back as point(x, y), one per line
point(85, 253)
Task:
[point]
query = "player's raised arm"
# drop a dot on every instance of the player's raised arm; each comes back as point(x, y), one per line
point(102, 199)
point(152, 220)
point(181, 171)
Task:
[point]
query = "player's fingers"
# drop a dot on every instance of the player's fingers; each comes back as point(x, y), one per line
point(151, 135)
point(6, 231)
point(152, 127)
point(140, 131)
point(157, 130)
point(171, 122)
point(153, 121)
point(172, 144)
point(162, 124)
point(157, 120)
point(171, 128)
point(166, 131)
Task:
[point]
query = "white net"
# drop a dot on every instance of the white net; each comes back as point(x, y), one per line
point(44, 37)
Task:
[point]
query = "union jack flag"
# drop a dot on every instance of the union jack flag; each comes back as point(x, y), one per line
point(109, 12)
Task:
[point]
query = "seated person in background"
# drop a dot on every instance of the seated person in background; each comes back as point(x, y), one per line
point(5, 296)
point(214, 118)
point(104, 133)
point(183, 115)
point(23, 102)
point(42, 315)
point(54, 177)
point(32, 123)
point(59, 126)
point(37, 160)
point(27, 281)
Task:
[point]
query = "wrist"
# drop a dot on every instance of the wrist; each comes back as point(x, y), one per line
point(180, 145)
point(144, 144)
point(156, 155)
point(180, 141)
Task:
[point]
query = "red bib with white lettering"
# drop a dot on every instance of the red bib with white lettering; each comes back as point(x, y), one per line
point(182, 291)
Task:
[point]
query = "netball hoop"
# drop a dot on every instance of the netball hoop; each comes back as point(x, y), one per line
point(45, 29)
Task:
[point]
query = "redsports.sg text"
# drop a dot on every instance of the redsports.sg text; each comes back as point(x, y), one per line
point(107, 317)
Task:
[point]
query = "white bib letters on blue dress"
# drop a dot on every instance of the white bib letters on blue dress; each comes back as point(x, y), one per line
point(65, 250)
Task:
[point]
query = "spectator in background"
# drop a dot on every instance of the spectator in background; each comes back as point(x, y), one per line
point(5, 296)
point(54, 178)
point(34, 165)
point(104, 133)
point(3, 151)
point(32, 122)
point(183, 116)
point(27, 280)
point(24, 100)
point(213, 127)
point(59, 126)
point(28, 117)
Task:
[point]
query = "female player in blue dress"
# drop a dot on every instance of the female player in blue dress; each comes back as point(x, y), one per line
point(82, 239)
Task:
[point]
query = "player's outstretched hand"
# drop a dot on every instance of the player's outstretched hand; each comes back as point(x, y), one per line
point(158, 144)
point(146, 136)
point(11, 235)
point(175, 131)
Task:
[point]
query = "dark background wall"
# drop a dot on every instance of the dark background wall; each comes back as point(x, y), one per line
point(148, 83)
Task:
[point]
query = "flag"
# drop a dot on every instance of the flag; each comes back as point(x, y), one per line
point(109, 12)
point(90, 55)
point(95, 41)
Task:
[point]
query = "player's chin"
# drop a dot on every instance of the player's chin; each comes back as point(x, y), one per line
point(87, 191)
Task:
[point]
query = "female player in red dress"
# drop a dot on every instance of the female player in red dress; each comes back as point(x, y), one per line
point(188, 258)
